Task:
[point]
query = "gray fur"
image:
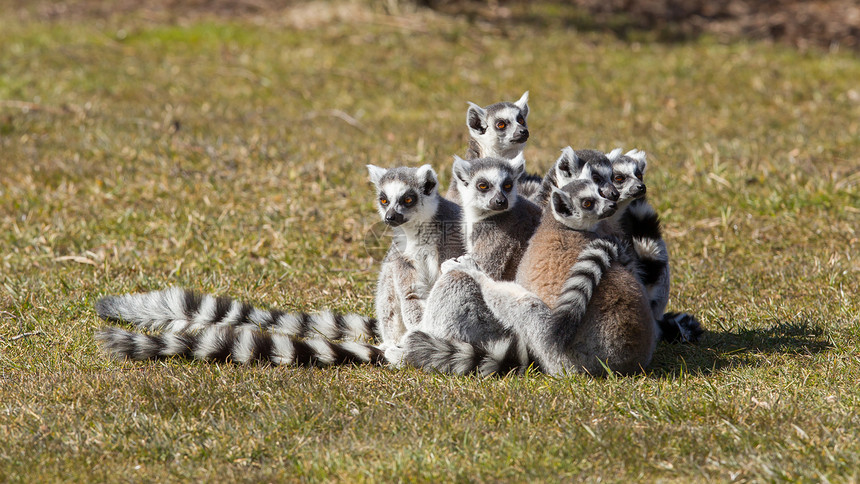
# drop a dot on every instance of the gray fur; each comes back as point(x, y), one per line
point(486, 139)
point(426, 232)
point(497, 221)
point(241, 345)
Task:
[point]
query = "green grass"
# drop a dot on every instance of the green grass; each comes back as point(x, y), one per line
point(140, 151)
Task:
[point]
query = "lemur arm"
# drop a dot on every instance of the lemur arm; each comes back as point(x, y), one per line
point(411, 294)
point(492, 262)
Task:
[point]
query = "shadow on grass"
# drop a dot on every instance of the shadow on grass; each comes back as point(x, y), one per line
point(724, 350)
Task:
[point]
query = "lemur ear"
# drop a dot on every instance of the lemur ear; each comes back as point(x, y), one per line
point(476, 118)
point(427, 177)
point(376, 173)
point(518, 164)
point(639, 157)
point(561, 203)
point(569, 165)
point(461, 170)
point(614, 155)
point(523, 104)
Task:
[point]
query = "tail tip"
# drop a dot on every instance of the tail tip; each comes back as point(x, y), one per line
point(106, 308)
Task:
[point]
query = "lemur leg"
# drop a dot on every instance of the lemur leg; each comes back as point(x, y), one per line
point(388, 308)
point(456, 309)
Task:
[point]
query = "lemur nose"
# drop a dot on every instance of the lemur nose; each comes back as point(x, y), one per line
point(609, 192)
point(524, 134)
point(394, 218)
point(500, 203)
point(612, 206)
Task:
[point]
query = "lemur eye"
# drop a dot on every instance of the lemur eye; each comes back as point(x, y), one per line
point(501, 125)
point(483, 186)
point(521, 119)
point(596, 178)
point(508, 186)
point(383, 201)
point(587, 203)
point(619, 178)
point(408, 201)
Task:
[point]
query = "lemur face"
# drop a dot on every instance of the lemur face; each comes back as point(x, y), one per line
point(586, 165)
point(500, 128)
point(488, 185)
point(405, 196)
point(579, 205)
point(628, 173)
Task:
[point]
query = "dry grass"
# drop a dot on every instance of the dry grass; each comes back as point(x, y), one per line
point(228, 155)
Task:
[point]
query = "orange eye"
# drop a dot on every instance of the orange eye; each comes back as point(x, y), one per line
point(407, 200)
point(483, 186)
point(383, 201)
point(619, 178)
point(521, 119)
point(507, 186)
point(501, 125)
point(587, 204)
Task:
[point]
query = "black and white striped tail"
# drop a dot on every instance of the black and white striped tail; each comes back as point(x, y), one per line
point(499, 357)
point(680, 328)
point(583, 279)
point(237, 344)
point(642, 224)
point(529, 185)
point(180, 310)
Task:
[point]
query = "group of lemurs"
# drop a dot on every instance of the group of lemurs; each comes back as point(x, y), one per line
point(566, 273)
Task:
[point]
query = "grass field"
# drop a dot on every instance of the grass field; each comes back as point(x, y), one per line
point(154, 148)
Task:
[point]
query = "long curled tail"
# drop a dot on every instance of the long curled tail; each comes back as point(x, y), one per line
point(498, 357)
point(237, 344)
point(529, 185)
point(178, 310)
point(584, 277)
point(680, 328)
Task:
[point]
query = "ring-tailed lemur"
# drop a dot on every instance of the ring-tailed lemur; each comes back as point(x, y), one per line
point(497, 221)
point(637, 223)
point(427, 232)
point(596, 321)
point(499, 130)
point(619, 307)
point(580, 164)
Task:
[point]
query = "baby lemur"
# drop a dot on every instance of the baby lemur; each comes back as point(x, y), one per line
point(427, 231)
point(580, 311)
